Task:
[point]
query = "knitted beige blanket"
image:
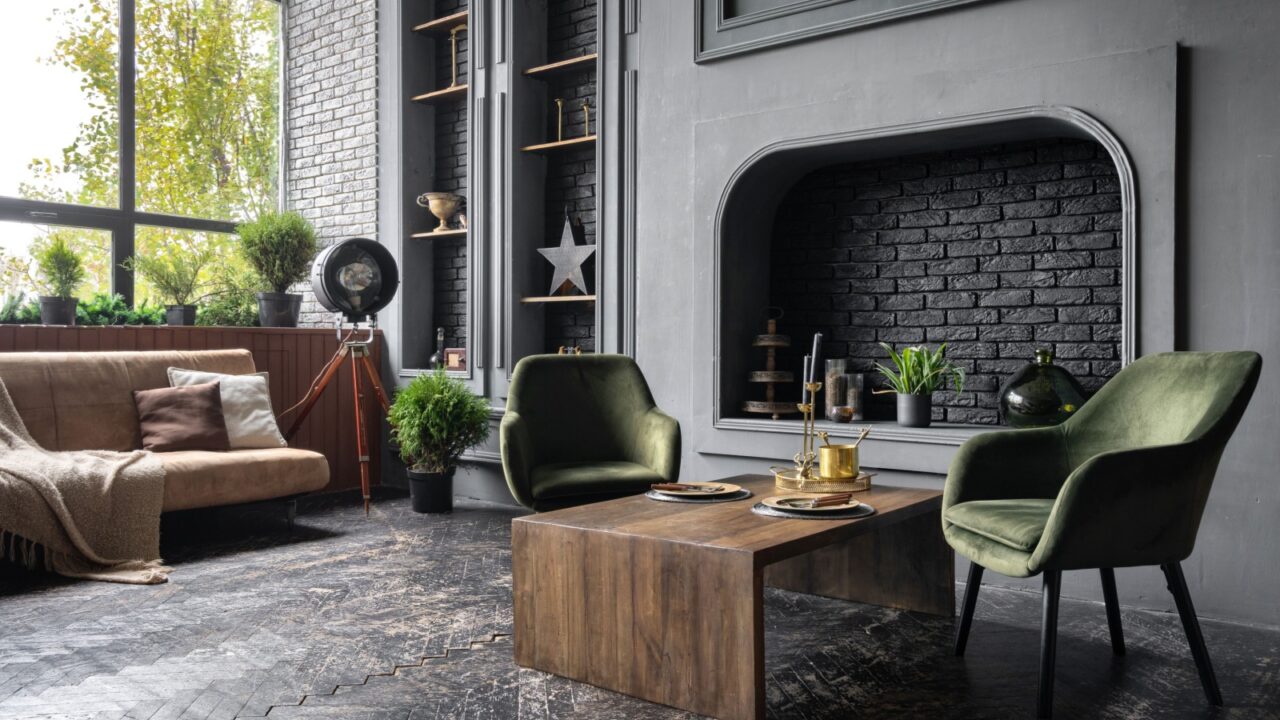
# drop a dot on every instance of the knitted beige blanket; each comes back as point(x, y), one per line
point(85, 514)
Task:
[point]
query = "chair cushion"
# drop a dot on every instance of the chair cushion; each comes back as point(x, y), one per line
point(1013, 523)
point(198, 479)
point(591, 478)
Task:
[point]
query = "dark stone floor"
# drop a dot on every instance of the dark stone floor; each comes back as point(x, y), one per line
point(409, 616)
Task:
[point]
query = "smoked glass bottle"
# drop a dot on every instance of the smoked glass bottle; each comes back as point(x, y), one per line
point(1040, 394)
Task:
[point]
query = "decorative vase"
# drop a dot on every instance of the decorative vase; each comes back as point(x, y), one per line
point(180, 314)
point(444, 205)
point(278, 309)
point(431, 492)
point(915, 410)
point(1040, 394)
point(56, 310)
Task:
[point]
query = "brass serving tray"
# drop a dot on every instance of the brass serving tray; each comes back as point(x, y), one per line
point(789, 479)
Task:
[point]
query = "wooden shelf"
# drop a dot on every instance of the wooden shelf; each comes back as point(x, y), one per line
point(459, 232)
point(442, 25)
point(561, 144)
point(457, 92)
point(559, 299)
point(583, 62)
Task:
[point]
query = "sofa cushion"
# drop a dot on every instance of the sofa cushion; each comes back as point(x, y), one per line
point(1017, 524)
point(181, 418)
point(196, 478)
point(588, 478)
point(246, 406)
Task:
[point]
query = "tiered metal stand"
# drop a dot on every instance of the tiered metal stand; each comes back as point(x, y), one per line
point(771, 375)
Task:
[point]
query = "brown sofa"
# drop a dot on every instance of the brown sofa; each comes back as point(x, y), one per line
point(84, 401)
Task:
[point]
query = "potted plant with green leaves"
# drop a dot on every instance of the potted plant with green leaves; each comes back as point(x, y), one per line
point(61, 271)
point(176, 276)
point(280, 247)
point(916, 374)
point(434, 420)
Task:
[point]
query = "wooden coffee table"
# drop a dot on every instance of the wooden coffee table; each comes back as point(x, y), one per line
point(663, 601)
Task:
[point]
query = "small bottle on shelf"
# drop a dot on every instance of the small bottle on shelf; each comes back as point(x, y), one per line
point(437, 360)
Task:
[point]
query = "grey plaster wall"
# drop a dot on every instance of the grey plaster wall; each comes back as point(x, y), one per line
point(1207, 178)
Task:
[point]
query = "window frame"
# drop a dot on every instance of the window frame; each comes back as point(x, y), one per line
point(122, 222)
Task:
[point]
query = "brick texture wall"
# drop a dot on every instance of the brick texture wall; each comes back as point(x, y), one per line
point(331, 122)
point(450, 255)
point(571, 175)
point(996, 251)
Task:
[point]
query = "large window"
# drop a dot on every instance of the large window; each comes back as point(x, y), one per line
point(135, 124)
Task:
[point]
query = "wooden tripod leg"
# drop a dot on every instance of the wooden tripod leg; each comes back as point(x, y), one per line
point(362, 442)
point(367, 363)
point(317, 390)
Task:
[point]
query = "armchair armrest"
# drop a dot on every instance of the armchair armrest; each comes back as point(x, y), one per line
point(517, 456)
point(657, 445)
point(1007, 464)
point(1128, 507)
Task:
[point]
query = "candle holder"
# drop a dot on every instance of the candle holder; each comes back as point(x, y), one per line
point(807, 456)
point(804, 477)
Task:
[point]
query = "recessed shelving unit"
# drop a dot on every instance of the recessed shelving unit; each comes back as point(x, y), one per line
point(442, 25)
point(580, 63)
point(558, 299)
point(559, 144)
point(457, 92)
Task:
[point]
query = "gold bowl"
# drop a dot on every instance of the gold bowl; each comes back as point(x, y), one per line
point(444, 205)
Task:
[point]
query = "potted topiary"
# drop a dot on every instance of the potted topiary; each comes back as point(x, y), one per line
point(280, 247)
point(917, 373)
point(176, 276)
point(62, 271)
point(434, 420)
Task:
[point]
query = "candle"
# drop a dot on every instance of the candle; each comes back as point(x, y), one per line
point(804, 379)
point(812, 375)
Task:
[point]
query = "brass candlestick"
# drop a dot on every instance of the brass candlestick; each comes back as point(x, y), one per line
point(805, 458)
point(559, 119)
point(453, 42)
point(586, 119)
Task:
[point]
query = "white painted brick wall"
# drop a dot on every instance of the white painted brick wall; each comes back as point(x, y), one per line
point(331, 124)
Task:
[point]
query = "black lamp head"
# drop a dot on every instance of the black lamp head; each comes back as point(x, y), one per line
point(356, 277)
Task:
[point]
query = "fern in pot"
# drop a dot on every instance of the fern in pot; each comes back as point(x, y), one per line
point(916, 373)
point(61, 271)
point(434, 420)
point(279, 246)
point(176, 277)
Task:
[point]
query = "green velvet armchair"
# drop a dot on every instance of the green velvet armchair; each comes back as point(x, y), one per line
point(1122, 483)
point(583, 428)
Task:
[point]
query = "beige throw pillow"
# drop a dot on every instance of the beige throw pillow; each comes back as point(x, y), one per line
point(246, 406)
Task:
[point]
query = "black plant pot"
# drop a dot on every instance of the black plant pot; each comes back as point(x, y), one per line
point(57, 310)
point(431, 492)
point(915, 410)
point(278, 309)
point(180, 314)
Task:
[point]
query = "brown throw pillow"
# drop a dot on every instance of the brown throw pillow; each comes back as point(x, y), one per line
point(182, 418)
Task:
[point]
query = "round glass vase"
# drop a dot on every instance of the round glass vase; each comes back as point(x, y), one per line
point(1040, 394)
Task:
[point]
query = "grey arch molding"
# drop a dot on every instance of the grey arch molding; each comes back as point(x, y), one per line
point(750, 197)
point(723, 28)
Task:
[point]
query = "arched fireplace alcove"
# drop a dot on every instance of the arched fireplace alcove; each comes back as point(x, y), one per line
point(996, 237)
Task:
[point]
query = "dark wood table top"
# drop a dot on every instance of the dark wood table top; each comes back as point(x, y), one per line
point(731, 526)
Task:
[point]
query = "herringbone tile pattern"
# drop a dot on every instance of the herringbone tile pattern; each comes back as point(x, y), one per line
point(409, 616)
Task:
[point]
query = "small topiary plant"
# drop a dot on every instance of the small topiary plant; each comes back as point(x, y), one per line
point(60, 268)
point(435, 419)
point(280, 247)
point(175, 275)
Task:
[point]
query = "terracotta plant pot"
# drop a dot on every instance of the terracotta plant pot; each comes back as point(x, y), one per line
point(915, 410)
point(180, 314)
point(57, 310)
point(431, 492)
point(278, 309)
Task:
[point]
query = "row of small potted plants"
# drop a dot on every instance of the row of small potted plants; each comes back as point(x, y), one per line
point(278, 247)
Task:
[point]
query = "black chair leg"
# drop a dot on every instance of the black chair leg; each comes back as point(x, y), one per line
point(966, 610)
point(1113, 610)
point(1178, 586)
point(1048, 642)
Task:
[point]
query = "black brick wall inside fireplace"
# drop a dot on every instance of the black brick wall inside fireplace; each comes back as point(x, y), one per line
point(996, 251)
point(450, 255)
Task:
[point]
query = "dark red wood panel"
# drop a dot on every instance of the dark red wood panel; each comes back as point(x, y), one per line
point(292, 356)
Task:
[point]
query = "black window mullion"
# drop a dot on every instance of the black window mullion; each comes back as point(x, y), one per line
point(122, 242)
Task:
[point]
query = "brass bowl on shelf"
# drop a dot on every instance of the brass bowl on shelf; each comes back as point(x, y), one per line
point(444, 205)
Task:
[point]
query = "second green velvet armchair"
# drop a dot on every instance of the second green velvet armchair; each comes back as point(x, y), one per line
point(582, 428)
point(1122, 483)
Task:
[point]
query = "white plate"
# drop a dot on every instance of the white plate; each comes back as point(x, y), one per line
point(712, 489)
point(795, 503)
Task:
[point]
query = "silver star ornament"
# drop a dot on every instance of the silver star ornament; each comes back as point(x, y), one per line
point(568, 259)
